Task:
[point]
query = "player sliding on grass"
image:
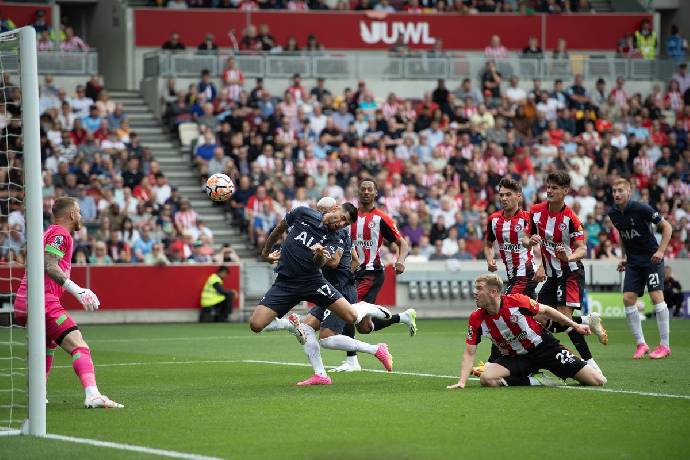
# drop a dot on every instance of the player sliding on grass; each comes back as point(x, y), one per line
point(643, 263)
point(526, 347)
point(60, 328)
point(300, 259)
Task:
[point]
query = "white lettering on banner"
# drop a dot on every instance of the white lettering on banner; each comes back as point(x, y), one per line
point(416, 33)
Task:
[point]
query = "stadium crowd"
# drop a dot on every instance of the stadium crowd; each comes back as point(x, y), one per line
point(392, 6)
point(89, 152)
point(437, 159)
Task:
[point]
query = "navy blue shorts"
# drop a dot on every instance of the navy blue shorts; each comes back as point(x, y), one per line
point(637, 275)
point(332, 321)
point(288, 292)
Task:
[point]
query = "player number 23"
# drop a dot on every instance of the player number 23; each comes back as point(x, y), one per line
point(325, 291)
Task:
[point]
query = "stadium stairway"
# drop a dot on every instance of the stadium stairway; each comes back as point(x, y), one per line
point(176, 166)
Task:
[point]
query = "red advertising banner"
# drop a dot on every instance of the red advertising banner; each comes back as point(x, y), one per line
point(136, 286)
point(373, 30)
point(22, 14)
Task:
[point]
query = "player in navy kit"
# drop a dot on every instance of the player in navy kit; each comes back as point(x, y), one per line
point(300, 259)
point(643, 263)
point(338, 271)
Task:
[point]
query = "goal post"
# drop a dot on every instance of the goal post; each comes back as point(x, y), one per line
point(18, 55)
point(28, 70)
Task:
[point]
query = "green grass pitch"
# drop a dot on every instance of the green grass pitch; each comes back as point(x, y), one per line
point(193, 389)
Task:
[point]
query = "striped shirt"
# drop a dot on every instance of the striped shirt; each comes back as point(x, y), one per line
point(513, 329)
point(556, 229)
point(508, 233)
point(368, 234)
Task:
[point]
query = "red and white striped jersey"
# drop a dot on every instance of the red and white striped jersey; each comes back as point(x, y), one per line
point(368, 233)
point(556, 229)
point(508, 233)
point(513, 329)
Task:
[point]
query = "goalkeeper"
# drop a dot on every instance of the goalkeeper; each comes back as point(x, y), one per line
point(60, 328)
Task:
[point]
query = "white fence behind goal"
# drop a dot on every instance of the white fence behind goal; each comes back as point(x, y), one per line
point(22, 351)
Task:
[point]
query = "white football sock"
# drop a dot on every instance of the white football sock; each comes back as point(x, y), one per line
point(661, 311)
point(345, 343)
point(313, 351)
point(278, 324)
point(585, 320)
point(635, 323)
point(404, 317)
point(92, 391)
point(352, 360)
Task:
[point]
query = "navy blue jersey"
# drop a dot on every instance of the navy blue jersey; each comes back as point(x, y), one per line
point(341, 275)
point(305, 229)
point(634, 224)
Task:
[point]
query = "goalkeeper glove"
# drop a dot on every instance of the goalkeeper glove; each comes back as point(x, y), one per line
point(85, 296)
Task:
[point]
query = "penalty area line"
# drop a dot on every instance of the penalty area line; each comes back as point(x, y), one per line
point(130, 447)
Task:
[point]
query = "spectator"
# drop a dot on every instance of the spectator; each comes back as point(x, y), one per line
point(81, 104)
point(206, 86)
point(491, 82)
point(645, 40)
point(673, 292)
point(45, 42)
point(216, 300)
point(676, 45)
point(461, 252)
point(561, 52)
point(268, 42)
point(233, 79)
point(532, 50)
point(40, 24)
point(495, 50)
point(100, 255)
point(208, 46)
point(156, 256)
point(72, 42)
point(177, 4)
point(250, 40)
point(174, 43)
point(94, 87)
point(683, 79)
point(438, 252)
point(186, 217)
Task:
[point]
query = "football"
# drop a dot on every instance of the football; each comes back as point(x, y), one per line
point(219, 187)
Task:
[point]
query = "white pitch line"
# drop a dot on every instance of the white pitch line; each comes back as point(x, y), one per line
point(378, 371)
point(130, 447)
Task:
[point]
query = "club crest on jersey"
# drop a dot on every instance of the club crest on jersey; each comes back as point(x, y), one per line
point(57, 242)
point(518, 227)
point(372, 224)
point(562, 226)
point(514, 319)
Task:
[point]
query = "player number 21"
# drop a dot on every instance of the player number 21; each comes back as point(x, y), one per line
point(325, 291)
point(653, 279)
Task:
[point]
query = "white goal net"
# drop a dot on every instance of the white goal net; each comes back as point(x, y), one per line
point(22, 386)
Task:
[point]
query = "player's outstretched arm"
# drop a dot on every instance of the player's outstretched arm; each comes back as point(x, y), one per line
point(85, 296)
point(465, 367)
point(560, 318)
point(272, 239)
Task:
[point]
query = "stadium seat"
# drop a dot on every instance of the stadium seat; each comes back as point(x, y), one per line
point(188, 132)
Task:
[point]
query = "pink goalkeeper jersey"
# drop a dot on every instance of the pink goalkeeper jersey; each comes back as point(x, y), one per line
point(58, 241)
